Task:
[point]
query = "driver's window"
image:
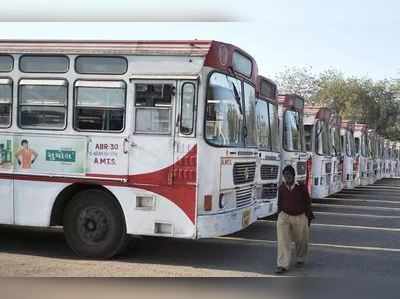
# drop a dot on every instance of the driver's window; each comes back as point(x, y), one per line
point(153, 106)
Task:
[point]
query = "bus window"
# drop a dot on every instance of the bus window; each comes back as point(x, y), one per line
point(153, 102)
point(224, 112)
point(250, 109)
point(308, 137)
point(273, 120)
point(357, 145)
point(292, 138)
point(187, 108)
point(99, 106)
point(321, 139)
point(6, 63)
point(5, 102)
point(42, 104)
point(263, 128)
point(44, 64)
point(101, 65)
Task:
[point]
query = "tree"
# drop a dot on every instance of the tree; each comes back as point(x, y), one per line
point(362, 100)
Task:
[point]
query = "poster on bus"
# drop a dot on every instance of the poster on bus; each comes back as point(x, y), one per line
point(50, 155)
point(6, 155)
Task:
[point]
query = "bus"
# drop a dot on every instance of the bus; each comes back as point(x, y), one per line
point(317, 141)
point(387, 157)
point(393, 159)
point(348, 147)
point(269, 160)
point(361, 144)
point(373, 163)
point(116, 138)
point(336, 184)
point(291, 113)
point(379, 156)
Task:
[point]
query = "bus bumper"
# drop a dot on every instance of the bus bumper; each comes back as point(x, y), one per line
point(215, 225)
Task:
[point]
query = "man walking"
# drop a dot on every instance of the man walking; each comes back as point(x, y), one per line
point(294, 218)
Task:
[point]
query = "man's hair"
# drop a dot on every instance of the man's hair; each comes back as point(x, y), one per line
point(24, 142)
point(290, 170)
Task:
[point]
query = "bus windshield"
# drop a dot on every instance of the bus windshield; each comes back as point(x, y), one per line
point(364, 146)
point(267, 126)
point(350, 148)
point(292, 131)
point(224, 114)
point(322, 139)
point(335, 142)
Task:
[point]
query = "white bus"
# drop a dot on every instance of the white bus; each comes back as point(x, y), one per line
point(393, 159)
point(128, 137)
point(388, 159)
point(347, 137)
point(269, 159)
point(291, 113)
point(336, 184)
point(373, 148)
point(317, 141)
point(361, 144)
point(381, 153)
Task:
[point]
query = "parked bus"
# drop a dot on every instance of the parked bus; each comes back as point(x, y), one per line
point(336, 184)
point(380, 157)
point(393, 158)
point(388, 153)
point(347, 138)
point(127, 137)
point(291, 113)
point(317, 141)
point(373, 164)
point(268, 166)
point(361, 144)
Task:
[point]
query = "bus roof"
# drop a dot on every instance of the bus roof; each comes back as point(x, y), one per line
point(266, 89)
point(293, 101)
point(317, 112)
point(217, 54)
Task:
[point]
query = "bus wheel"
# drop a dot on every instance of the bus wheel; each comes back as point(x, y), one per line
point(94, 225)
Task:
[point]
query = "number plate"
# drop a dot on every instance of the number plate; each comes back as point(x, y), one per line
point(246, 218)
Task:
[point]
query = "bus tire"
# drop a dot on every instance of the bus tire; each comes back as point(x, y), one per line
point(94, 225)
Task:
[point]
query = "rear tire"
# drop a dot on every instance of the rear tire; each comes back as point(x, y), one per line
point(94, 225)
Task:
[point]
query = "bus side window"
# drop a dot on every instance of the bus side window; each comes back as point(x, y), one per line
point(100, 106)
point(5, 102)
point(153, 106)
point(187, 108)
point(42, 104)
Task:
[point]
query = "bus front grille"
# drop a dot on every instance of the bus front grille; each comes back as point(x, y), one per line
point(269, 191)
point(244, 172)
point(269, 172)
point(244, 196)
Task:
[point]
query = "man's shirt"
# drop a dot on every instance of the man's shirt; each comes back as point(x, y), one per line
point(294, 200)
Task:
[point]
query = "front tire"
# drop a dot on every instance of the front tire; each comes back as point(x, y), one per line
point(94, 225)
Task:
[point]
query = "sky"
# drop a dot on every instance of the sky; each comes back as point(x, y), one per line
point(359, 38)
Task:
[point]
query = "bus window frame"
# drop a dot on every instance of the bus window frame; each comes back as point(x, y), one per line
point(11, 103)
point(44, 55)
point(66, 106)
point(302, 147)
point(75, 101)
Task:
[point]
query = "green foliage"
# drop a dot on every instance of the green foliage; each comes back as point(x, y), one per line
point(362, 100)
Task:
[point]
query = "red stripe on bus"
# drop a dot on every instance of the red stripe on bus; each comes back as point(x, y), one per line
point(177, 182)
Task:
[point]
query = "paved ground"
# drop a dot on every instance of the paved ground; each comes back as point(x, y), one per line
point(356, 234)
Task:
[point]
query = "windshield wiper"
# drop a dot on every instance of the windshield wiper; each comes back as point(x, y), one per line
point(237, 98)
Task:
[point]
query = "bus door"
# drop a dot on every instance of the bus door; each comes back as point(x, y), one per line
point(153, 140)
